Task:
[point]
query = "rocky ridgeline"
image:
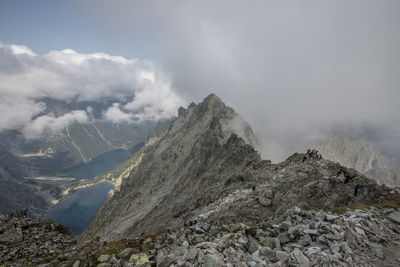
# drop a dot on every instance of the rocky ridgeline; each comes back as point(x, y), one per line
point(200, 195)
point(26, 242)
point(301, 238)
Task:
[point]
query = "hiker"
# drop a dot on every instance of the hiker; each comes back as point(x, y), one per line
point(254, 188)
point(356, 188)
point(341, 170)
point(348, 177)
point(319, 156)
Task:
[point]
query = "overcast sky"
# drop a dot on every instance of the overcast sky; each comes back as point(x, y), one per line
point(291, 68)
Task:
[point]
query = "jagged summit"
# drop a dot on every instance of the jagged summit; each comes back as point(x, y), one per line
point(177, 172)
point(204, 167)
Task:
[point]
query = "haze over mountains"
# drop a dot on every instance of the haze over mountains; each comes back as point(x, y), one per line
point(200, 194)
point(26, 157)
point(94, 109)
point(46, 130)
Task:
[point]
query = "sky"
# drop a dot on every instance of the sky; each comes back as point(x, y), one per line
point(294, 69)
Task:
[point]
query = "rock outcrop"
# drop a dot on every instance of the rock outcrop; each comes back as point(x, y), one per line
point(186, 168)
point(29, 242)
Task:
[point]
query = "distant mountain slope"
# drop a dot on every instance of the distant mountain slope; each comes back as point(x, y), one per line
point(364, 156)
point(61, 153)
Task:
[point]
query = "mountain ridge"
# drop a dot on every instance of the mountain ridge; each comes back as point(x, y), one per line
point(200, 162)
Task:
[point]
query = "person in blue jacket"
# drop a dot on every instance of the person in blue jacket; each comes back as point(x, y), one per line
point(356, 188)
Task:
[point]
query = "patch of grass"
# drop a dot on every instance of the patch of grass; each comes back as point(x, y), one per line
point(113, 247)
point(393, 205)
point(339, 211)
point(361, 206)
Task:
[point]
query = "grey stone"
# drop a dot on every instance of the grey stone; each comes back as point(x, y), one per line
point(161, 254)
point(278, 244)
point(270, 242)
point(126, 253)
point(191, 254)
point(305, 240)
point(345, 248)
point(302, 260)
point(284, 238)
point(253, 245)
point(311, 231)
point(312, 250)
point(394, 217)
point(11, 235)
point(264, 201)
point(166, 261)
point(212, 260)
point(267, 252)
point(331, 218)
point(103, 258)
point(235, 227)
point(377, 249)
point(282, 256)
point(256, 255)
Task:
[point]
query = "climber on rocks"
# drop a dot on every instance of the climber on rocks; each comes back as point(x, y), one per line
point(356, 188)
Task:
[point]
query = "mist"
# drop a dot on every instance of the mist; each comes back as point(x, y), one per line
point(295, 70)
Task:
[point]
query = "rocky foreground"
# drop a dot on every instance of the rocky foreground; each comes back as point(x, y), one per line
point(369, 237)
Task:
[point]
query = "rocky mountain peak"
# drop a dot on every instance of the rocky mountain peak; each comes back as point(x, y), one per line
point(177, 173)
point(204, 167)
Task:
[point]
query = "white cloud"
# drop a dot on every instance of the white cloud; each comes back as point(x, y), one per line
point(17, 112)
point(71, 76)
point(116, 115)
point(49, 124)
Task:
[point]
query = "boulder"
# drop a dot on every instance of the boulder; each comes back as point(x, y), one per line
point(212, 260)
point(394, 217)
point(140, 259)
point(126, 253)
point(302, 260)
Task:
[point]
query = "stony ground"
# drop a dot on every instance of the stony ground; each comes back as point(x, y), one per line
point(27, 242)
point(369, 237)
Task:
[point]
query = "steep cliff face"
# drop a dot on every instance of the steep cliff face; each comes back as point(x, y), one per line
point(183, 170)
point(200, 168)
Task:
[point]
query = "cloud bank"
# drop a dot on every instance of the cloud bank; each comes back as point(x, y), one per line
point(293, 69)
point(139, 89)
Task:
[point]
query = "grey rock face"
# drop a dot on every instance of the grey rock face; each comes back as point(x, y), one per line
point(186, 168)
point(200, 167)
point(364, 156)
point(395, 217)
